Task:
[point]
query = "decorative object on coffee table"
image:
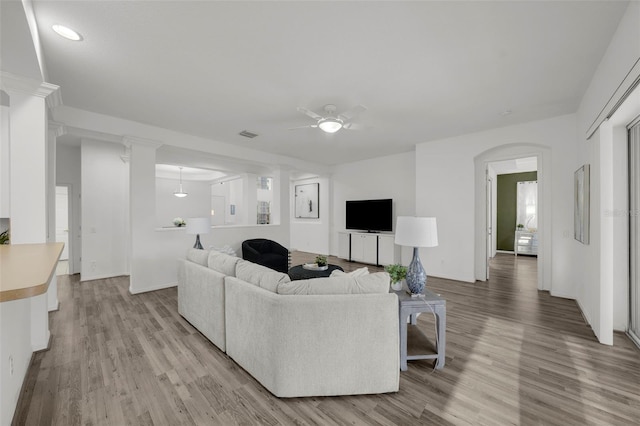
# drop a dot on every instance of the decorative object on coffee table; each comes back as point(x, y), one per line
point(321, 260)
point(416, 232)
point(398, 273)
point(197, 226)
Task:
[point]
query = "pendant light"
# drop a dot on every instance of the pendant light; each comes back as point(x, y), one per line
point(180, 193)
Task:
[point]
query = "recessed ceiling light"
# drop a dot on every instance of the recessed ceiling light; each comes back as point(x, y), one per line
point(66, 32)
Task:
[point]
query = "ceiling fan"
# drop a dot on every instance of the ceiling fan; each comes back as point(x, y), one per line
point(332, 122)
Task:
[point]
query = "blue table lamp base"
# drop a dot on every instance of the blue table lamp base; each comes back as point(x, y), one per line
point(416, 275)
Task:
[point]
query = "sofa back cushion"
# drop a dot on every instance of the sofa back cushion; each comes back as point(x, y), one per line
point(259, 275)
point(198, 256)
point(377, 283)
point(222, 263)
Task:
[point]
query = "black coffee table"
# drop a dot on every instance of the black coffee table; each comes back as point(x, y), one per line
point(299, 273)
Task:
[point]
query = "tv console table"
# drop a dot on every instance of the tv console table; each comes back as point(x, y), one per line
point(367, 247)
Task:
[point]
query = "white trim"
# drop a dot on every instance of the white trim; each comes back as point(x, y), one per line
point(17, 83)
point(129, 140)
point(618, 97)
point(101, 277)
point(153, 288)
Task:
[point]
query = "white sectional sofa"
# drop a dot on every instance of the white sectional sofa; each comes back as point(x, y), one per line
point(320, 337)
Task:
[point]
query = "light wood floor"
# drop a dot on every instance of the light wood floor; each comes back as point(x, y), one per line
point(514, 356)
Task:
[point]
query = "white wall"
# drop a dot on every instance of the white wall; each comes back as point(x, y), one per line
point(600, 277)
point(155, 252)
point(28, 131)
point(236, 198)
point(68, 160)
point(393, 176)
point(312, 235)
point(5, 164)
point(105, 208)
point(446, 188)
point(168, 206)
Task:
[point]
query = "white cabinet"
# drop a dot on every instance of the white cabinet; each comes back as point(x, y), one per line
point(526, 243)
point(343, 245)
point(387, 249)
point(376, 249)
point(364, 248)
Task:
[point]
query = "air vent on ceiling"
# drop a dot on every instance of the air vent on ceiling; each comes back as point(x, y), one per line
point(247, 134)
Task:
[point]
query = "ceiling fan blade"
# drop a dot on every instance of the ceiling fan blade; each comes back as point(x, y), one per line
point(303, 127)
point(310, 113)
point(353, 112)
point(353, 126)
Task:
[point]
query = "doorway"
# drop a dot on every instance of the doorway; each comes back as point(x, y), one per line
point(506, 217)
point(62, 228)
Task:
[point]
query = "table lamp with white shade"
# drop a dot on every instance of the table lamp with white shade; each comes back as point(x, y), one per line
point(416, 232)
point(197, 226)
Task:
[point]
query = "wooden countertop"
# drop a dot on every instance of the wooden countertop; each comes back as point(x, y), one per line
point(26, 269)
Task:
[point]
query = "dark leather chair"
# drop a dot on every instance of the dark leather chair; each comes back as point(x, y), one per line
point(266, 253)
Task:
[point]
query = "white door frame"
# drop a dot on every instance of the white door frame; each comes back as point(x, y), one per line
point(510, 152)
point(489, 204)
point(71, 225)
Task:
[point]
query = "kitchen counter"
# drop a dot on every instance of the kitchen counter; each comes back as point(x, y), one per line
point(26, 269)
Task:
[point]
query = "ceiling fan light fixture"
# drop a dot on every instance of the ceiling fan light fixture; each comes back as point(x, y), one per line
point(330, 125)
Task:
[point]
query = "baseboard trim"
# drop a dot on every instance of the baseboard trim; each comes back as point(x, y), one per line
point(101, 277)
point(154, 288)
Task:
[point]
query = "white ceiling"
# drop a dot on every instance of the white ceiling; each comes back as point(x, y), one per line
point(424, 70)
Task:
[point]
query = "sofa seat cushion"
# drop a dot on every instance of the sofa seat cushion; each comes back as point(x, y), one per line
point(222, 263)
point(260, 276)
point(377, 283)
point(198, 256)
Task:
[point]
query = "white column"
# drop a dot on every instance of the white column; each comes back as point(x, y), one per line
point(250, 193)
point(142, 206)
point(54, 130)
point(605, 321)
point(28, 178)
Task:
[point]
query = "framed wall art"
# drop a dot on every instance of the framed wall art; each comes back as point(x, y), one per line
point(307, 196)
point(581, 204)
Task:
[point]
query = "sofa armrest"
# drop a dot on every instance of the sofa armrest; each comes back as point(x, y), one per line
point(201, 300)
point(314, 345)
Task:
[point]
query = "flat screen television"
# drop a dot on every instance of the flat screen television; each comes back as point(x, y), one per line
point(369, 215)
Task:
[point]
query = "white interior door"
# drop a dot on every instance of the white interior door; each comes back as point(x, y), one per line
point(62, 219)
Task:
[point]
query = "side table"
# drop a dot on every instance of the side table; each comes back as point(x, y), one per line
point(410, 307)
